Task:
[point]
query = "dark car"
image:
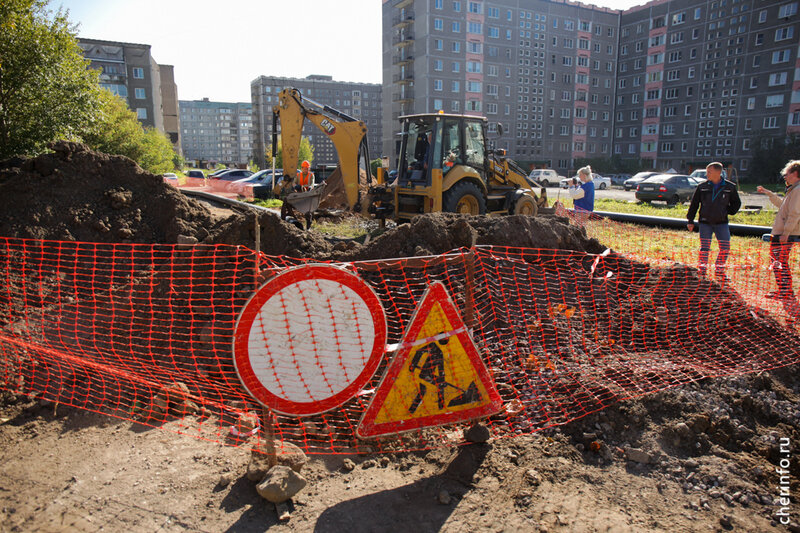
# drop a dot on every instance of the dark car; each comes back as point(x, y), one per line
point(223, 180)
point(218, 172)
point(619, 179)
point(670, 188)
point(195, 178)
point(631, 183)
point(259, 185)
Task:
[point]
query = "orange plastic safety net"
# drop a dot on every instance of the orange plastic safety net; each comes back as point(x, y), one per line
point(147, 332)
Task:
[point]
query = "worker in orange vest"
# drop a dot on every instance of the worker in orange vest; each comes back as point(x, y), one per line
point(304, 178)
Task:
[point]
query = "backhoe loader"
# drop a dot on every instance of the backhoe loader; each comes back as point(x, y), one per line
point(444, 165)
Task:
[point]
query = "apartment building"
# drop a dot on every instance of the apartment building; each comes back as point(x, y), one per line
point(361, 101)
point(217, 132)
point(544, 70)
point(129, 70)
point(676, 83)
point(703, 81)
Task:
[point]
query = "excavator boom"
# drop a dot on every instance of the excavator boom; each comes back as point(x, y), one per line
point(348, 135)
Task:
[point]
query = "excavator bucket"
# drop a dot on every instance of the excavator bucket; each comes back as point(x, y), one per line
point(335, 197)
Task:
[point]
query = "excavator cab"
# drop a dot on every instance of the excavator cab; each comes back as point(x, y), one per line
point(444, 165)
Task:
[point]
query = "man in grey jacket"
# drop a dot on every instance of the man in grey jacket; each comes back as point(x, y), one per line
point(716, 199)
point(785, 230)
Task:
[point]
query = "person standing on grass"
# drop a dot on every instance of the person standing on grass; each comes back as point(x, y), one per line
point(716, 198)
point(582, 192)
point(785, 230)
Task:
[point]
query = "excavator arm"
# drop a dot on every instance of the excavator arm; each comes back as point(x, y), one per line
point(349, 137)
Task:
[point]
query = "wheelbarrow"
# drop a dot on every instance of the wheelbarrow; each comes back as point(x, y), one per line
point(303, 202)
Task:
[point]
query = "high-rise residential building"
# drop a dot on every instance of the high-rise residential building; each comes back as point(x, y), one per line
point(675, 83)
point(703, 81)
point(217, 132)
point(545, 70)
point(128, 70)
point(361, 101)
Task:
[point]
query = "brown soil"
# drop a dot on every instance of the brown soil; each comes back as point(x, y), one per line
point(697, 457)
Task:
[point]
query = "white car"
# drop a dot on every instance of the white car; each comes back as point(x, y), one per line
point(600, 182)
point(545, 176)
point(171, 178)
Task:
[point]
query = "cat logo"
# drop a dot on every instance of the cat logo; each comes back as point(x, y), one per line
point(327, 127)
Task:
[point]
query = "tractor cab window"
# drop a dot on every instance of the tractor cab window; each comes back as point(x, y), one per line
point(419, 141)
point(475, 145)
point(451, 145)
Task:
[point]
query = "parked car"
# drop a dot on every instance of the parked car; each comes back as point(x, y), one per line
point(223, 180)
point(700, 174)
point(171, 178)
point(618, 179)
point(545, 177)
point(670, 188)
point(195, 178)
point(600, 182)
point(259, 185)
point(631, 183)
point(216, 173)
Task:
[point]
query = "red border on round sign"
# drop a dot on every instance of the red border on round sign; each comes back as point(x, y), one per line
point(241, 356)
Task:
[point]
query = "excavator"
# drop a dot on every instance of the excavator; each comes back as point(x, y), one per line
point(444, 165)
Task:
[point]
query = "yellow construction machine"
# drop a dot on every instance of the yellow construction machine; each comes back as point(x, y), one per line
point(444, 165)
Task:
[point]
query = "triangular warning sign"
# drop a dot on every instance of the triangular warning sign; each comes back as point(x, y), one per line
point(436, 377)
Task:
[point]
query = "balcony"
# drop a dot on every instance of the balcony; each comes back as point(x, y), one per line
point(408, 77)
point(403, 96)
point(402, 59)
point(403, 19)
point(404, 38)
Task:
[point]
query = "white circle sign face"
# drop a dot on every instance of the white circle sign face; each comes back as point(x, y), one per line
point(309, 339)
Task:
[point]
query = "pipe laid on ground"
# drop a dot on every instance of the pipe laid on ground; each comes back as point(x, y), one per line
point(668, 222)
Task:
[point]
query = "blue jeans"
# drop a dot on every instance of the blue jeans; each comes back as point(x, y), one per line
point(723, 233)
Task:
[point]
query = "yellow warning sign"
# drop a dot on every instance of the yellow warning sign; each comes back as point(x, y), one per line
point(437, 376)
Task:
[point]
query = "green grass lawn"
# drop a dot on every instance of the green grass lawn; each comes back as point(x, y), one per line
point(764, 218)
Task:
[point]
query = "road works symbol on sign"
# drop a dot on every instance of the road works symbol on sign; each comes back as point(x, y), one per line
point(309, 339)
point(437, 376)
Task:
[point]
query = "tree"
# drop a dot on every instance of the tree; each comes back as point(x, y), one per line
point(770, 154)
point(306, 153)
point(117, 131)
point(46, 91)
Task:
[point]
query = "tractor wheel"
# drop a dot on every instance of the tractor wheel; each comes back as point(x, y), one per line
point(525, 205)
point(464, 198)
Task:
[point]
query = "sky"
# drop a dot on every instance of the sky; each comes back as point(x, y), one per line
point(219, 47)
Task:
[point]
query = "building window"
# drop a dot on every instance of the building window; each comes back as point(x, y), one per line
point(455, 27)
point(438, 4)
point(139, 93)
point(781, 56)
point(784, 33)
point(138, 73)
point(775, 100)
point(438, 44)
point(778, 78)
point(437, 85)
point(438, 24)
point(787, 10)
point(437, 104)
point(770, 122)
point(141, 113)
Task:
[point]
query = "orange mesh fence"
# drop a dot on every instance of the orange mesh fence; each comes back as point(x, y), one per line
point(146, 333)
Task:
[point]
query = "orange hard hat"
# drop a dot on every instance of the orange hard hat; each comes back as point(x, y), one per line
point(305, 164)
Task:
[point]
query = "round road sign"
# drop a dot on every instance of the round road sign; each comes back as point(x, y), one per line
point(309, 339)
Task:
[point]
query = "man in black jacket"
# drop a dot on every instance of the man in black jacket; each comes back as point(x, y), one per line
point(717, 198)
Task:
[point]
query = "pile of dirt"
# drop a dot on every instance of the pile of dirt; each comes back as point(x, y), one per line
point(77, 194)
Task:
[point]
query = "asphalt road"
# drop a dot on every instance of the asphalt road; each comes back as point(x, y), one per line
point(616, 193)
